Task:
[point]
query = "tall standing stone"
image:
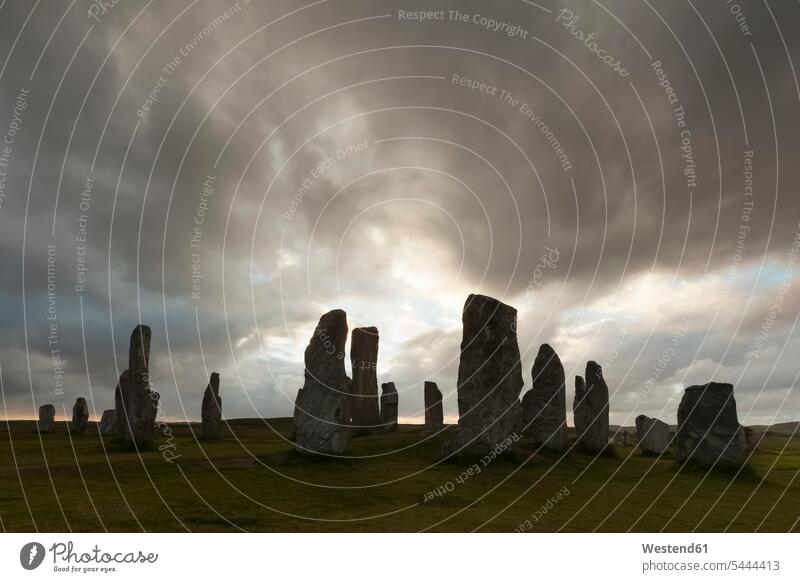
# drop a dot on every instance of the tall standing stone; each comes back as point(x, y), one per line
point(434, 414)
point(389, 403)
point(80, 416)
point(107, 423)
point(489, 376)
point(322, 410)
point(138, 404)
point(364, 361)
point(708, 426)
point(590, 409)
point(211, 413)
point(47, 417)
point(653, 435)
point(544, 406)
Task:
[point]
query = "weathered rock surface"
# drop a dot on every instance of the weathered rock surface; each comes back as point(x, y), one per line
point(544, 406)
point(590, 409)
point(211, 413)
point(708, 426)
point(366, 417)
point(106, 426)
point(137, 405)
point(47, 417)
point(80, 416)
point(653, 435)
point(322, 409)
point(389, 403)
point(489, 376)
point(434, 413)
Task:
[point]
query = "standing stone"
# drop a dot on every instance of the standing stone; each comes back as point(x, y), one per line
point(389, 403)
point(322, 409)
point(212, 408)
point(137, 404)
point(708, 427)
point(590, 409)
point(544, 406)
point(364, 361)
point(489, 377)
point(653, 435)
point(47, 417)
point(107, 423)
point(80, 416)
point(434, 414)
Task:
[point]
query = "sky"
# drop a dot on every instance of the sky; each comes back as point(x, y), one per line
point(624, 174)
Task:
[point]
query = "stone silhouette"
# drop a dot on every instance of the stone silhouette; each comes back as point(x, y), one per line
point(544, 406)
point(322, 409)
point(590, 409)
point(434, 414)
point(107, 424)
point(211, 414)
point(136, 404)
point(708, 427)
point(80, 416)
point(389, 403)
point(364, 361)
point(47, 417)
point(489, 376)
point(653, 435)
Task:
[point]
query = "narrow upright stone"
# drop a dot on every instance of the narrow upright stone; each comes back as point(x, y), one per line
point(489, 376)
point(544, 406)
point(211, 413)
point(137, 403)
point(434, 414)
point(322, 410)
point(80, 416)
point(590, 409)
point(47, 417)
point(389, 403)
point(708, 426)
point(364, 361)
point(653, 435)
point(107, 423)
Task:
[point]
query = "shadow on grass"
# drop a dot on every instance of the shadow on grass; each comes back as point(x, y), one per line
point(740, 473)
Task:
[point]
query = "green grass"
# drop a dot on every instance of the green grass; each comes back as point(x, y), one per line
point(253, 480)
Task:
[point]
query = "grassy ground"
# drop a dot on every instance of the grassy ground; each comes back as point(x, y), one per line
point(252, 480)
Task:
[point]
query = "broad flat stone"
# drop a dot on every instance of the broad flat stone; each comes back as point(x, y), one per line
point(489, 377)
point(364, 360)
point(47, 417)
point(211, 413)
point(590, 409)
point(80, 416)
point(434, 414)
point(322, 409)
point(544, 406)
point(389, 403)
point(708, 426)
point(653, 435)
point(107, 423)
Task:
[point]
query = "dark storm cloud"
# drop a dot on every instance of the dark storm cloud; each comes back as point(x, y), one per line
point(451, 191)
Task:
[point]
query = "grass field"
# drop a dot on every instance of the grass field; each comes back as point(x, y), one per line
point(253, 480)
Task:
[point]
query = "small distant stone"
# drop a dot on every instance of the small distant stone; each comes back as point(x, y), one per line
point(434, 413)
point(47, 417)
point(653, 435)
point(389, 404)
point(211, 413)
point(107, 422)
point(80, 417)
